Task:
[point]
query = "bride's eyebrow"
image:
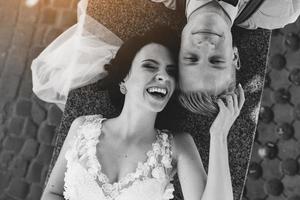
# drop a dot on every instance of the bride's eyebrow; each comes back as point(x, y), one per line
point(150, 60)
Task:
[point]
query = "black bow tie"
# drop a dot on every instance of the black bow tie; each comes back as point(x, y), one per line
point(232, 2)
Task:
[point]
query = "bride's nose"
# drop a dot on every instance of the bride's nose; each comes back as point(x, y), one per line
point(161, 77)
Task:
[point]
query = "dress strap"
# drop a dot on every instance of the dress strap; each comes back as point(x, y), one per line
point(166, 139)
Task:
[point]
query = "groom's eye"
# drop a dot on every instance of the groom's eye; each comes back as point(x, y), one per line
point(216, 60)
point(191, 58)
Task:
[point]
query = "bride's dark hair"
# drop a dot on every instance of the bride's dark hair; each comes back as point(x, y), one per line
point(120, 65)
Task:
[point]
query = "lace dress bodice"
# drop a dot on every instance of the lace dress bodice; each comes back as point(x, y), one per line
point(84, 179)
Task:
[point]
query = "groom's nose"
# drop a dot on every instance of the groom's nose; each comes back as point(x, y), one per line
point(206, 45)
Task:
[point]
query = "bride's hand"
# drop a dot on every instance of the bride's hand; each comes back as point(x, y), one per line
point(227, 113)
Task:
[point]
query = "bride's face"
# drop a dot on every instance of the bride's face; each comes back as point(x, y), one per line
point(151, 79)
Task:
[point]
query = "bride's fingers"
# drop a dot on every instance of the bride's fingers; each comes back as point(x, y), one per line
point(241, 96)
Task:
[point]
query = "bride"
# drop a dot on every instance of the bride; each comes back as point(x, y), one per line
point(126, 157)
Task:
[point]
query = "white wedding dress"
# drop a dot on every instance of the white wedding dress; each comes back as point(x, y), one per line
point(84, 179)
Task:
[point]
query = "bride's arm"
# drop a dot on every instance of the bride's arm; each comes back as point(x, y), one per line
point(217, 185)
point(55, 186)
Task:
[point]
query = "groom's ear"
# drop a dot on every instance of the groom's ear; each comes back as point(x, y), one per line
point(236, 58)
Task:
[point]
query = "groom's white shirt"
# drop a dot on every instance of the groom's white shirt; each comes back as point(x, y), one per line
point(272, 14)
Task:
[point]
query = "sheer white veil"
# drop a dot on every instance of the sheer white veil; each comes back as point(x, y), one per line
point(75, 59)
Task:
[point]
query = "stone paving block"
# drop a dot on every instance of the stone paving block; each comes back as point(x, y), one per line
point(276, 43)
point(271, 169)
point(52, 34)
point(283, 113)
point(295, 94)
point(23, 35)
point(282, 96)
point(18, 188)
point(8, 91)
point(35, 192)
point(54, 115)
point(281, 77)
point(266, 114)
point(254, 153)
point(67, 18)
point(6, 34)
point(46, 3)
point(15, 125)
point(291, 42)
point(267, 97)
point(296, 112)
point(15, 62)
point(45, 154)
point(13, 144)
point(30, 129)
point(37, 112)
point(292, 186)
point(6, 197)
point(38, 36)
point(62, 3)
point(34, 172)
point(46, 133)
point(8, 16)
point(23, 107)
point(274, 187)
point(288, 149)
point(266, 132)
point(19, 166)
point(3, 52)
point(29, 149)
point(28, 15)
point(5, 159)
point(74, 4)
point(289, 167)
point(284, 131)
point(11, 5)
point(255, 188)
point(38, 101)
point(48, 16)
point(2, 132)
point(293, 60)
point(255, 170)
point(277, 61)
point(2, 118)
point(44, 174)
point(290, 28)
point(25, 90)
point(275, 197)
point(296, 126)
point(4, 179)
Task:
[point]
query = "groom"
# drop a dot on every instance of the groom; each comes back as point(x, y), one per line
point(208, 58)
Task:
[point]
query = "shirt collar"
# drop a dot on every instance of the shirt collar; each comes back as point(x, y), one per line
point(193, 5)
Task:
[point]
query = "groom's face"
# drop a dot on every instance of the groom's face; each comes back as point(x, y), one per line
point(206, 60)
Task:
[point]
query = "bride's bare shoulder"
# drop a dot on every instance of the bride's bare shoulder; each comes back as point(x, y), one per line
point(182, 143)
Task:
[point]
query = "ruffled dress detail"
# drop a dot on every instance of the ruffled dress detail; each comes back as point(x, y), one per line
point(84, 179)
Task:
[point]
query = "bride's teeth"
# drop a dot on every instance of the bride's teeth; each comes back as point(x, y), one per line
point(159, 90)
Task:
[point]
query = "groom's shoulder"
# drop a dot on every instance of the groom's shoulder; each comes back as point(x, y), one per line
point(126, 17)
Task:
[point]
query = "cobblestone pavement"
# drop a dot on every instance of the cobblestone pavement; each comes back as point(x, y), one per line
point(274, 172)
point(27, 125)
